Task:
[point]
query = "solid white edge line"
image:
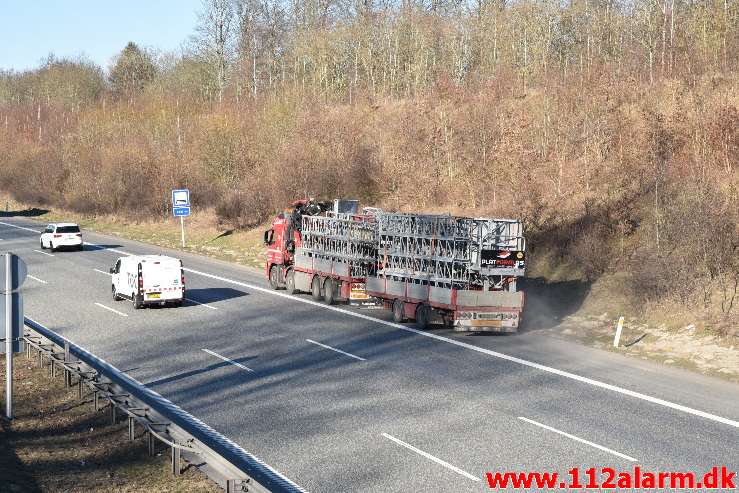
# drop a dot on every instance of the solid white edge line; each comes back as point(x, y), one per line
point(109, 249)
point(201, 304)
point(20, 227)
point(102, 272)
point(44, 253)
point(228, 360)
point(114, 311)
point(429, 456)
point(586, 380)
point(36, 279)
point(573, 437)
point(337, 350)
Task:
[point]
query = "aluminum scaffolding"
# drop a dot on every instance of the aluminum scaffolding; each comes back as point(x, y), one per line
point(347, 237)
point(447, 251)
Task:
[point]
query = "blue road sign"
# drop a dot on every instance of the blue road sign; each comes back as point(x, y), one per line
point(181, 198)
point(181, 211)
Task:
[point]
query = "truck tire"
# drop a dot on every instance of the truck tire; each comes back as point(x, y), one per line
point(290, 282)
point(274, 277)
point(328, 291)
point(315, 288)
point(138, 301)
point(422, 316)
point(398, 311)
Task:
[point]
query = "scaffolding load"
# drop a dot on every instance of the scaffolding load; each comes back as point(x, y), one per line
point(458, 270)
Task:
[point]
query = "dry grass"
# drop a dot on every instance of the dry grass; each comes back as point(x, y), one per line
point(57, 442)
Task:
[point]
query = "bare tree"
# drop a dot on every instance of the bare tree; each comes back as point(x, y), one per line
point(215, 39)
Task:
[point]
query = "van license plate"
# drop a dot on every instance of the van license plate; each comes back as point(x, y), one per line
point(155, 295)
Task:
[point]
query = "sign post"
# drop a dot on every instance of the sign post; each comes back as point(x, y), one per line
point(12, 274)
point(181, 208)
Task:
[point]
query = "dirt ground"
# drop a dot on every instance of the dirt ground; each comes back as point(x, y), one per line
point(566, 310)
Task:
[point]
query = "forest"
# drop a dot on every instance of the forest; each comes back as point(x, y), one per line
point(610, 127)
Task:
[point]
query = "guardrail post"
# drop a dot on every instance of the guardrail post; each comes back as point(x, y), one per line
point(176, 458)
point(151, 444)
point(112, 412)
point(131, 429)
point(79, 386)
point(95, 394)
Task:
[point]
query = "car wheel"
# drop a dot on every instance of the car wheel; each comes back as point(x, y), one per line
point(51, 247)
point(315, 288)
point(398, 309)
point(42, 245)
point(79, 247)
point(274, 277)
point(138, 301)
point(115, 295)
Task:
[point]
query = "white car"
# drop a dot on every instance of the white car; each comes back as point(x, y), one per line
point(61, 235)
point(149, 280)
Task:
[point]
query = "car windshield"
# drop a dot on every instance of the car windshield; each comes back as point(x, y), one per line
point(68, 229)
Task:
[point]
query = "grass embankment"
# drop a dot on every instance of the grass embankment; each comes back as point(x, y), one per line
point(57, 442)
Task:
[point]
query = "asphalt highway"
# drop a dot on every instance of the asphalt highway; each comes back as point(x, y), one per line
point(344, 400)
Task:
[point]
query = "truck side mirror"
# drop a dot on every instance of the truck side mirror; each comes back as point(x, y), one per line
point(269, 237)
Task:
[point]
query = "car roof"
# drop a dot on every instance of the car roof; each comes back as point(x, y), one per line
point(63, 224)
point(149, 258)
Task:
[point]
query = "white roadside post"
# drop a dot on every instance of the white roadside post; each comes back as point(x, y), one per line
point(618, 331)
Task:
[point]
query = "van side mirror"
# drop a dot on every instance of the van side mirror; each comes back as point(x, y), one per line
point(112, 270)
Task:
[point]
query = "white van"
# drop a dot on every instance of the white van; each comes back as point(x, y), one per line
point(148, 279)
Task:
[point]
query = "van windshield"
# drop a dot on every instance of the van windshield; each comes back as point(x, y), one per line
point(68, 229)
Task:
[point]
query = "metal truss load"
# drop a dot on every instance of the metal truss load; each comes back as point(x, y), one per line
point(349, 238)
point(447, 251)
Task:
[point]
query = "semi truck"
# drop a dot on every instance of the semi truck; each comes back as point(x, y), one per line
point(459, 271)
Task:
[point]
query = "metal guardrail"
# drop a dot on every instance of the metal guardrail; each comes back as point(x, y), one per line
point(161, 419)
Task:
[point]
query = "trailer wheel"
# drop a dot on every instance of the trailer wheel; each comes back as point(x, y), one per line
point(328, 291)
point(315, 288)
point(422, 316)
point(398, 309)
point(274, 277)
point(290, 281)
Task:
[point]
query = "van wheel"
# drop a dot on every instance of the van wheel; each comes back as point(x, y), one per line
point(274, 277)
point(115, 295)
point(138, 301)
point(315, 288)
point(398, 309)
point(422, 316)
point(328, 291)
point(290, 282)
